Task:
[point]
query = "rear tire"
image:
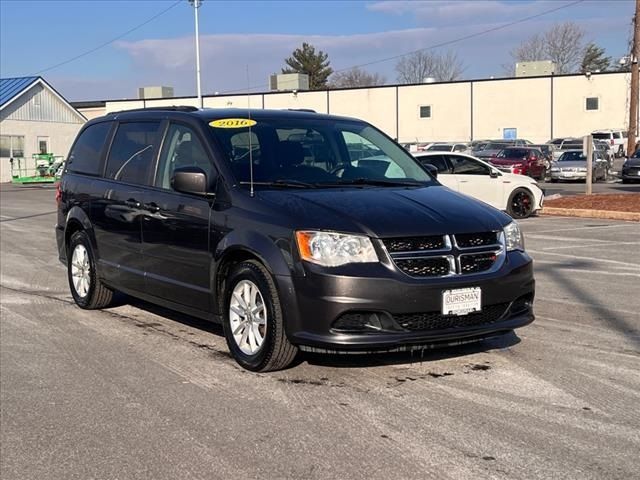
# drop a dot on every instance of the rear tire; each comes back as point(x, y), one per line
point(253, 321)
point(521, 203)
point(87, 289)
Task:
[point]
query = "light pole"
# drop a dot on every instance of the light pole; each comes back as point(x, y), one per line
point(196, 4)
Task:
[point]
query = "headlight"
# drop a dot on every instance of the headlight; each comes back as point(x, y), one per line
point(555, 169)
point(582, 169)
point(513, 237)
point(333, 249)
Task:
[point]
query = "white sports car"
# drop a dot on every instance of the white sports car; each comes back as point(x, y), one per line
point(518, 195)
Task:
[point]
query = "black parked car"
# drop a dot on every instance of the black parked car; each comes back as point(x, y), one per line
point(631, 169)
point(295, 230)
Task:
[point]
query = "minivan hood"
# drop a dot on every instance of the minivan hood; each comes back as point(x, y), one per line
point(386, 212)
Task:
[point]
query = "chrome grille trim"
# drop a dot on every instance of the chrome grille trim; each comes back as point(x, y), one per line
point(455, 255)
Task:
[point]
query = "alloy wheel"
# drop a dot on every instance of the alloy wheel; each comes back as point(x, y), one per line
point(248, 317)
point(81, 270)
point(522, 204)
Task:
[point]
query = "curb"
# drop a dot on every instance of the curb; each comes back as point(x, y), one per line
point(606, 214)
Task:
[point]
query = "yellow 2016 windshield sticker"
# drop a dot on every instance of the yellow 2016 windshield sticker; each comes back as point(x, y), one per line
point(232, 123)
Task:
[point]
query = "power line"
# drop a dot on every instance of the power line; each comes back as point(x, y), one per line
point(102, 45)
point(448, 42)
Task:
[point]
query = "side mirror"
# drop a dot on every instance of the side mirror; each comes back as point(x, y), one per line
point(494, 174)
point(189, 180)
point(431, 169)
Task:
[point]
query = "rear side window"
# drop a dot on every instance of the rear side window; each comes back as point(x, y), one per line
point(85, 154)
point(132, 152)
point(468, 166)
point(437, 161)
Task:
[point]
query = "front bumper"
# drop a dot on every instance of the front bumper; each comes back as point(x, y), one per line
point(631, 174)
point(568, 175)
point(314, 303)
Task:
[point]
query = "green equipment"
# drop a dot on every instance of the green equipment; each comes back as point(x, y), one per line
point(44, 170)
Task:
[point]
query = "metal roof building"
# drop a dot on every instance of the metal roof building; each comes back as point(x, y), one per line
point(34, 118)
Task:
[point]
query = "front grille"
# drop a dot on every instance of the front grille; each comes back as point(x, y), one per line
point(425, 267)
point(442, 255)
point(437, 321)
point(477, 263)
point(415, 244)
point(469, 240)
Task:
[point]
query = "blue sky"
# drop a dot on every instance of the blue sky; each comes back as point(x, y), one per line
point(35, 35)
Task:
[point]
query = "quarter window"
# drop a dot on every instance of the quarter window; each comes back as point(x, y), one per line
point(592, 103)
point(132, 152)
point(182, 148)
point(425, 111)
point(85, 153)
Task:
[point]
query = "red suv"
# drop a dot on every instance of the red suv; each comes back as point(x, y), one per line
point(521, 160)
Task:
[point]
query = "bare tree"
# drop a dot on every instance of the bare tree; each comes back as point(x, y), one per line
point(414, 68)
point(355, 77)
point(563, 44)
point(449, 67)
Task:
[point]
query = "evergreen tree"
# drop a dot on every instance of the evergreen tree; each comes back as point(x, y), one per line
point(316, 65)
point(594, 59)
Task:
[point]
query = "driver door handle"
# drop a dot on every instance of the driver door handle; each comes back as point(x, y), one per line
point(132, 203)
point(151, 207)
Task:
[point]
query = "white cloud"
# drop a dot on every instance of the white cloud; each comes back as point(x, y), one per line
point(461, 10)
point(225, 57)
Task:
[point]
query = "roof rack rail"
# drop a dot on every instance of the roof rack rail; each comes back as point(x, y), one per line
point(173, 108)
point(308, 110)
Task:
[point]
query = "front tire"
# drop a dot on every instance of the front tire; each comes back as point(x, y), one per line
point(87, 289)
point(253, 321)
point(521, 203)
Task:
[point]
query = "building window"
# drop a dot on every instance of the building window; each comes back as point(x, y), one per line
point(592, 103)
point(425, 111)
point(43, 145)
point(11, 146)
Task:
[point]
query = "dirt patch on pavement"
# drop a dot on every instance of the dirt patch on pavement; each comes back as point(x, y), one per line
point(628, 202)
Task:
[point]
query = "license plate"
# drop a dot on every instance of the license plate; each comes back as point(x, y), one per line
point(461, 301)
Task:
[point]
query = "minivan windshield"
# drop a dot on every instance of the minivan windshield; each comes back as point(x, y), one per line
point(306, 153)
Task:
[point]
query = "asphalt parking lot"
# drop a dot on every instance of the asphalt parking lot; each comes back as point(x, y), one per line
point(140, 392)
point(613, 185)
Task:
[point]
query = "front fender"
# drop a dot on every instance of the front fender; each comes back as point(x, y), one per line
point(275, 254)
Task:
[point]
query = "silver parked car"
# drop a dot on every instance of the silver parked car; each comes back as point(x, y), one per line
point(572, 165)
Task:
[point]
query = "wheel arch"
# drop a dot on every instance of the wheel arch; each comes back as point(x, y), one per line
point(77, 220)
point(243, 248)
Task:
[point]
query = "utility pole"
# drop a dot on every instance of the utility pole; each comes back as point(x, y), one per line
point(196, 4)
point(587, 150)
point(633, 103)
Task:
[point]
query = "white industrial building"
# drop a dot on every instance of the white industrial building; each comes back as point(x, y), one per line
point(536, 108)
point(34, 119)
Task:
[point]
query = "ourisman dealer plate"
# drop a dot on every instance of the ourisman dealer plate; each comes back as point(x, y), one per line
point(461, 301)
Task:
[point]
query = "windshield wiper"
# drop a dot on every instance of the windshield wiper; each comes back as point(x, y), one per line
point(371, 181)
point(282, 184)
